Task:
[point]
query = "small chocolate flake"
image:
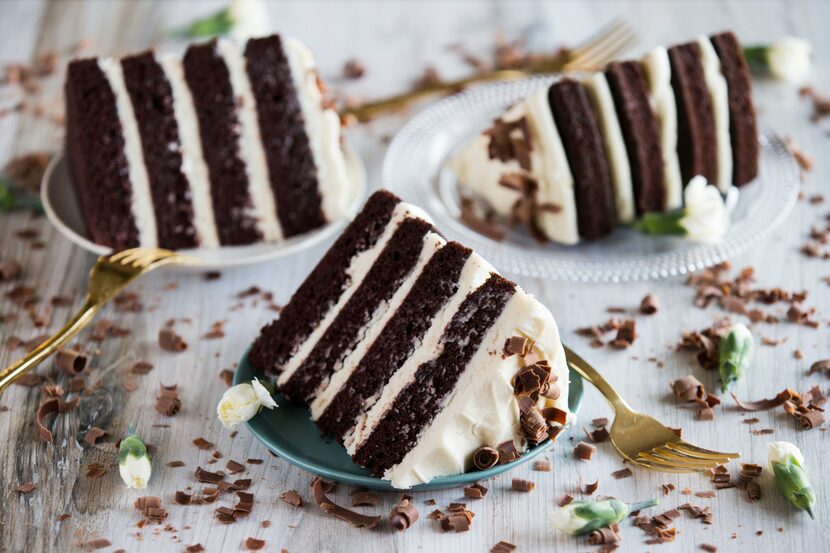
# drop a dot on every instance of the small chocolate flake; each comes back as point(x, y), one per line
point(208, 477)
point(167, 400)
point(253, 544)
point(543, 466)
point(356, 519)
point(94, 434)
point(485, 457)
point(98, 543)
point(584, 451)
point(141, 367)
point(292, 498)
point(622, 473)
point(709, 547)
point(202, 443)
point(234, 467)
point(403, 514)
point(476, 491)
point(183, 498)
point(518, 345)
point(503, 547)
point(649, 305)
point(25, 488)
point(70, 361)
point(522, 485)
point(175, 464)
point(170, 341)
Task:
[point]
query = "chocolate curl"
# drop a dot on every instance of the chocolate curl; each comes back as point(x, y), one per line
point(71, 361)
point(356, 519)
point(403, 514)
point(46, 408)
point(485, 457)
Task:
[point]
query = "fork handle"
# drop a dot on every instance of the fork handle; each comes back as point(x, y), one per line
point(589, 373)
point(47, 348)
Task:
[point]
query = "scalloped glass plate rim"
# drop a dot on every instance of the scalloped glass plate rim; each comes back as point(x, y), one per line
point(297, 421)
point(414, 169)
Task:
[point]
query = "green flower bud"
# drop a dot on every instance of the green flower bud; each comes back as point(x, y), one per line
point(583, 517)
point(736, 350)
point(134, 461)
point(786, 463)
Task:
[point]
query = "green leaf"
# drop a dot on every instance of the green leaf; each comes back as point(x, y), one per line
point(735, 354)
point(661, 223)
point(218, 24)
point(793, 483)
point(756, 57)
point(131, 445)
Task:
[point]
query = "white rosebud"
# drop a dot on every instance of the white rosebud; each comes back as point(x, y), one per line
point(134, 462)
point(705, 214)
point(250, 19)
point(242, 402)
point(778, 452)
point(788, 59)
point(566, 520)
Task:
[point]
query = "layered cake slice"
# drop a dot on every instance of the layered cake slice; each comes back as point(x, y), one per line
point(414, 352)
point(229, 145)
point(621, 143)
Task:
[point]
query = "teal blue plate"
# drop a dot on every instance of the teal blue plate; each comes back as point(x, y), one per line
point(289, 432)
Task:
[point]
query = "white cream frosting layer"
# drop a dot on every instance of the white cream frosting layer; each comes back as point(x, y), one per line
point(482, 409)
point(474, 273)
point(322, 125)
point(661, 97)
point(556, 183)
point(716, 83)
point(549, 168)
point(359, 267)
point(142, 198)
point(251, 151)
point(328, 390)
point(193, 161)
point(599, 94)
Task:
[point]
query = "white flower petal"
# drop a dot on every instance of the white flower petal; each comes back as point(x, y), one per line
point(136, 471)
point(564, 519)
point(706, 217)
point(778, 452)
point(238, 404)
point(250, 19)
point(789, 59)
point(263, 394)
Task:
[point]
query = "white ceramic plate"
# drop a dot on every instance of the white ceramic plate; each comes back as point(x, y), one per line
point(415, 168)
point(62, 209)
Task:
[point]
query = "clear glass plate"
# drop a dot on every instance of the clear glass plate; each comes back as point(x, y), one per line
point(414, 168)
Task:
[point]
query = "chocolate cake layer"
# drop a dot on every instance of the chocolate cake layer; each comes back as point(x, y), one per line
point(743, 129)
point(291, 165)
point(97, 163)
point(395, 262)
point(416, 405)
point(152, 100)
point(641, 133)
point(213, 97)
point(320, 291)
point(400, 337)
point(696, 137)
point(577, 125)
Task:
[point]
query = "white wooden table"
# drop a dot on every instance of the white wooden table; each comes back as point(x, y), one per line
point(395, 41)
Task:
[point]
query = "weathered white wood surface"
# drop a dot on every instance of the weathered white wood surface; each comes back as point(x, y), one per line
point(395, 41)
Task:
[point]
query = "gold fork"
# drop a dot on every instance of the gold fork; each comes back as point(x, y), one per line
point(643, 440)
point(110, 274)
point(593, 54)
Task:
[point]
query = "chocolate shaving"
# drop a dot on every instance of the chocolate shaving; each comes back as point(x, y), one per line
point(503, 547)
point(93, 435)
point(810, 419)
point(584, 451)
point(522, 485)
point(765, 404)
point(485, 457)
point(649, 305)
point(141, 367)
point(253, 544)
point(208, 477)
point(587, 488)
point(482, 225)
point(202, 443)
point(603, 536)
point(48, 407)
point(292, 498)
point(356, 519)
point(518, 345)
point(70, 361)
point(234, 467)
point(167, 400)
point(27, 487)
point(476, 491)
point(403, 514)
point(598, 435)
point(507, 452)
point(554, 415)
point(622, 473)
point(170, 341)
point(822, 366)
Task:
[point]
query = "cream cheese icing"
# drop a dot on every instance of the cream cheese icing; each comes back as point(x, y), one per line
point(251, 150)
point(194, 167)
point(661, 97)
point(599, 94)
point(142, 198)
point(322, 125)
point(482, 409)
point(716, 83)
point(556, 183)
point(359, 267)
